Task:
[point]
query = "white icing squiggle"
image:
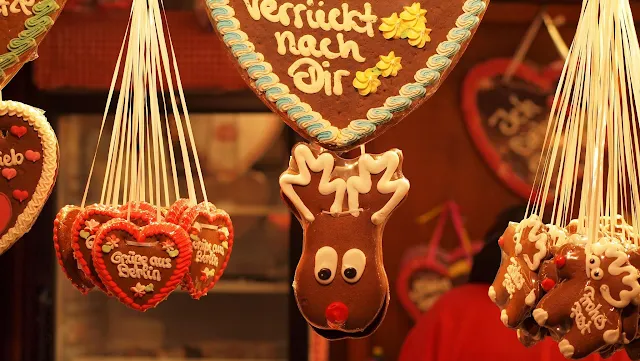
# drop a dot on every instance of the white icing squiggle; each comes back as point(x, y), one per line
point(305, 160)
point(361, 184)
point(619, 266)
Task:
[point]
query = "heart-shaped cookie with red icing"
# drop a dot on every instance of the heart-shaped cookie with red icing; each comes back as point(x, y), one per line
point(177, 209)
point(64, 252)
point(23, 25)
point(141, 266)
point(341, 73)
point(85, 229)
point(25, 184)
point(211, 234)
point(508, 120)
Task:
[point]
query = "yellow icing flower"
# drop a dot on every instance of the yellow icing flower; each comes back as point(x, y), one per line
point(390, 27)
point(367, 81)
point(412, 15)
point(389, 65)
point(418, 35)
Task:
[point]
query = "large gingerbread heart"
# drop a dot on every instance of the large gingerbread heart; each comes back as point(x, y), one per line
point(85, 229)
point(28, 168)
point(508, 120)
point(340, 73)
point(211, 234)
point(141, 266)
point(23, 25)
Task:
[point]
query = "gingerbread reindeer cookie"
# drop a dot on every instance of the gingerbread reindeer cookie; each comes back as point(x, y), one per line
point(584, 309)
point(516, 287)
point(340, 284)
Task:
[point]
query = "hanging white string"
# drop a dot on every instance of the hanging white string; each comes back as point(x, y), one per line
point(594, 124)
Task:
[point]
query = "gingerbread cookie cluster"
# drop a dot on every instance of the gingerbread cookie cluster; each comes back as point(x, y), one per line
point(583, 293)
point(139, 254)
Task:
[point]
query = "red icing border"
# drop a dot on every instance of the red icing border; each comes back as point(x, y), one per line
point(84, 290)
point(183, 261)
point(186, 222)
point(176, 211)
point(78, 226)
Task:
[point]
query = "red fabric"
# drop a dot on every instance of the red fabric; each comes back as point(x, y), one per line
point(465, 325)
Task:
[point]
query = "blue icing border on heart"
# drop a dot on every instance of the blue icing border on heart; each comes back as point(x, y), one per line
point(311, 121)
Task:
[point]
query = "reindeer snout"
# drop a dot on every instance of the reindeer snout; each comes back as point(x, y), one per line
point(337, 314)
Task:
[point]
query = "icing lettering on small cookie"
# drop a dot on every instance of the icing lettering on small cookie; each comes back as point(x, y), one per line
point(134, 265)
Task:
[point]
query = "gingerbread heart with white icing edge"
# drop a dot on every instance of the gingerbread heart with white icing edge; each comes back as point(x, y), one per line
point(23, 23)
point(141, 266)
point(340, 284)
point(211, 234)
point(26, 182)
point(86, 227)
point(341, 73)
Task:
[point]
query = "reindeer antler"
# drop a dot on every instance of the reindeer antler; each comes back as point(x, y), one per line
point(306, 160)
point(361, 184)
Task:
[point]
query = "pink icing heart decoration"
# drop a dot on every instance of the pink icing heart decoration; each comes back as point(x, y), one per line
point(20, 195)
point(18, 131)
point(23, 25)
point(508, 121)
point(141, 266)
point(24, 128)
point(339, 72)
point(32, 156)
point(9, 173)
point(211, 234)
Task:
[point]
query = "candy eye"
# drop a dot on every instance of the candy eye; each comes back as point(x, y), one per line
point(596, 274)
point(353, 264)
point(326, 264)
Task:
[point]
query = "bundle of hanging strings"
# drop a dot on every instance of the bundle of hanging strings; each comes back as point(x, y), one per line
point(575, 279)
point(141, 240)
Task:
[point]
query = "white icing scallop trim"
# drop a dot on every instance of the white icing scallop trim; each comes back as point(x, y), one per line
point(492, 294)
point(36, 119)
point(611, 336)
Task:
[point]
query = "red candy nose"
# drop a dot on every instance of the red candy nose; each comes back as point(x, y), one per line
point(547, 284)
point(336, 314)
point(501, 242)
point(560, 261)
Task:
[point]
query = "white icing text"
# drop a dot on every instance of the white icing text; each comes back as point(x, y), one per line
point(133, 265)
point(12, 158)
point(513, 279)
point(587, 304)
point(206, 252)
point(16, 7)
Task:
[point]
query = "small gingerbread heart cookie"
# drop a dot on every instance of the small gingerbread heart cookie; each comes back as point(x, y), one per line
point(211, 234)
point(86, 227)
point(64, 251)
point(141, 266)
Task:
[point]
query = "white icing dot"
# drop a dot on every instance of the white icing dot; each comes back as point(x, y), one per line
point(540, 316)
point(325, 64)
point(611, 336)
point(492, 294)
point(565, 348)
point(504, 317)
point(531, 298)
point(309, 2)
point(320, 3)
